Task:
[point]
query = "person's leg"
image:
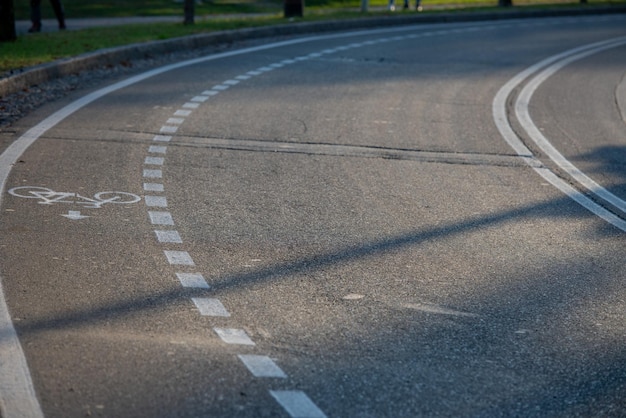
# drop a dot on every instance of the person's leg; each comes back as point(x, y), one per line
point(58, 12)
point(35, 15)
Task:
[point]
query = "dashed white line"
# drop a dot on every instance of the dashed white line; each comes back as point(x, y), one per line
point(170, 237)
point(181, 112)
point(193, 280)
point(154, 161)
point(153, 187)
point(181, 258)
point(297, 404)
point(166, 129)
point(162, 138)
point(190, 105)
point(261, 366)
point(152, 174)
point(200, 99)
point(234, 336)
point(210, 307)
point(160, 218)
point(155, 201)
point(175, 121)
point(157, 149)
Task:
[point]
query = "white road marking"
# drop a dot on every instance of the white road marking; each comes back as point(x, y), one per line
point(233, 336)
point(195, 280)
point(232, 82)
point(74, 215)
point(210, 307)
point(200, 99)
point(523, 115)
point(297, 404)
point(152, 174)
point(170, 237)
point(156, 201)
point(261, 366)
point(181, 258)
point(175, 121)
point(166, 129)
point(500, 118)
point(436, 309)
point(16, 390)
point(157, 149)
point(220, 87)
point(243, 77)
point(154, 161)
point(181, 112)
point(162, 138)
point(160, 218)
point(153, 187)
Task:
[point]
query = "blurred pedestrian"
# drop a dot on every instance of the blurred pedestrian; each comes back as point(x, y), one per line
point(35, 14)
point(418, 5)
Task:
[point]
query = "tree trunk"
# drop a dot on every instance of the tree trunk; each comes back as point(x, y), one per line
point(189, 12)
point(7, 21)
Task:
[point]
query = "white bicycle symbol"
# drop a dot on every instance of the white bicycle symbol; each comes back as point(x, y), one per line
point(49, 196)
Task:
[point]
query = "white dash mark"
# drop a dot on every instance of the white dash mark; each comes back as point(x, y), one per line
point(195, 280)
point(220, 87)
point(297, 404)
point(161, 218)
point(152, 174)
point(179, 258)
point(262, 366)
point(153, 187)
point(231, 82)
point(210, 93)
point(200, 99)
point(190, 105)
point(157, 149)
point(175, 121)
point(436, 309)
point(168, 129)
point(172, 237)
point(162, 138)
point(210, 307)
point(233, 336)
point(155, 201)
point(314, 55)
point(277, 65)
point(254, 73)
point(154, 160)
point(288, 62)
point(181, 112)
point(243, 77)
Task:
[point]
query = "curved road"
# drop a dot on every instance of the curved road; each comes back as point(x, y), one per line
point(361, 224)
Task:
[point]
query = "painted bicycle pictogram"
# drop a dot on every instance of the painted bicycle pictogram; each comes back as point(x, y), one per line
point(48, 197)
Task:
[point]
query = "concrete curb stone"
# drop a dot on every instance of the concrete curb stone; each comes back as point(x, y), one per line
point(113, 56)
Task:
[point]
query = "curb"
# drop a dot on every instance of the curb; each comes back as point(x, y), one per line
point(113, 56)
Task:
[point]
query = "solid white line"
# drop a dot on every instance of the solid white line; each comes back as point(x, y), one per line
point(262, 366)
point(233, 336)
point(523, 115)
point(501, 120)
point(210, 307)
point(194, 280)
point(297, 404)
point(181, 258)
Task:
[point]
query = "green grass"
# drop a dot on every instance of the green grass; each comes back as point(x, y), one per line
point(33, 49)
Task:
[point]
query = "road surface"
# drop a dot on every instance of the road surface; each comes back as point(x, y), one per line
point(414, 221)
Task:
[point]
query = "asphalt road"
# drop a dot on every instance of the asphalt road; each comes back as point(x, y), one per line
point(340, 225)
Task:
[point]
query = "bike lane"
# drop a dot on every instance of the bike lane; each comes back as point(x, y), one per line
point(123, 251)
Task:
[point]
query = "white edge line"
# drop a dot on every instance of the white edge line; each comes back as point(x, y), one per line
point(502, 123)
point(523, 115)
